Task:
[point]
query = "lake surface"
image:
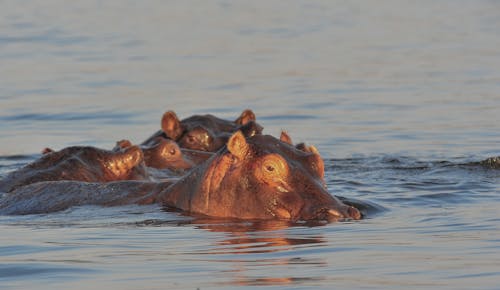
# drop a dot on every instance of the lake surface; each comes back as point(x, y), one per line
point(402, 99)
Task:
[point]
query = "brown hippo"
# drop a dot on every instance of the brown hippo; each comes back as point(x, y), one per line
point(204, 132)
point(256, 178)
point(161, 153)
point(82, 163)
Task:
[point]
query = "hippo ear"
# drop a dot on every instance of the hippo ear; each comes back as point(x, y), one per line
point(171, 125)
point(284, 137)
point(122, 144)
point(47, 150)
point(318, 163)
point(238, 146)
point(245, 117)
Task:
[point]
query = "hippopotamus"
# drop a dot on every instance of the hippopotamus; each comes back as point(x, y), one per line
point(83, 163)
point(161, 153)
point(204, 132)
point(259, 177)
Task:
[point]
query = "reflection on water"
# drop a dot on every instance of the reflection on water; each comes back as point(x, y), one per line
point(262, 281)
point(246, 247)
point(245, 238)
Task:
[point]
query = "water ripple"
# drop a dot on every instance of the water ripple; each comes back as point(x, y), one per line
point(11, 272)
point(69, 116)
point(53, 36)
point(287, 117)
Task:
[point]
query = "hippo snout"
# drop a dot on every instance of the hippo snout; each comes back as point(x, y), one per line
point(338, 213)
point(346, 212)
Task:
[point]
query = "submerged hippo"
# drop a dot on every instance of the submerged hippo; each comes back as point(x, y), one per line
point(161, 153)
point(83, 163)
point(256, 178)
point(204, 132)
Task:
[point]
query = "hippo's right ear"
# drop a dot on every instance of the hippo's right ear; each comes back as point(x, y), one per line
point(238, 146)
point(171, 125)
point(245, 117)
point(284, 137)
point(318, 163)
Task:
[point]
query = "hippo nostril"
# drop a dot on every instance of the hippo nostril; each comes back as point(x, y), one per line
point(283, 213)
point(350, 213)
point(354, 213)
point(334, 213)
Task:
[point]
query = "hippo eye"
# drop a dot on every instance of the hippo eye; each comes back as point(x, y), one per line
point(191, 139)
point(273, 166)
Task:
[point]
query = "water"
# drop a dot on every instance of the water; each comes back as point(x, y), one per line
point(401, 98)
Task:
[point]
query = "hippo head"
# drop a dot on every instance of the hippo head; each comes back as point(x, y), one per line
point(259, 178)
point(165, 153)
point(162, 153)
point(206, 132)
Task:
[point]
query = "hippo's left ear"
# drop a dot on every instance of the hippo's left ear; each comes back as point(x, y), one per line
point(122, 144)
point(245, 117)
point(238, 146)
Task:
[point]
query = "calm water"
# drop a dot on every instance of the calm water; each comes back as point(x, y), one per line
point(400, 97)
